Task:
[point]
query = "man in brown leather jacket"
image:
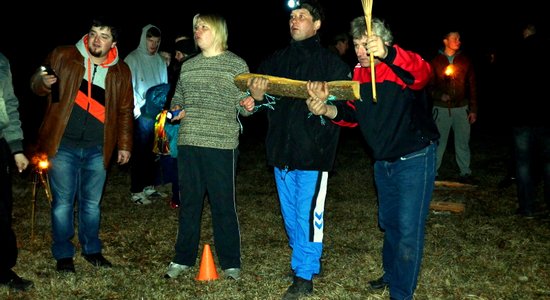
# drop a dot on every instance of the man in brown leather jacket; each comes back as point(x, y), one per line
point(89, 114)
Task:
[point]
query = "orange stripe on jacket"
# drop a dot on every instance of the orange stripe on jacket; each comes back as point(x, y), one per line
point(95, 108)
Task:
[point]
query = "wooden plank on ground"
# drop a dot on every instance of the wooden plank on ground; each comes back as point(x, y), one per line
point(447, 206)
point(442, 184)
point(450, 186)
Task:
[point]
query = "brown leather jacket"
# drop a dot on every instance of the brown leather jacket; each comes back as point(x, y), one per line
point(119, 102)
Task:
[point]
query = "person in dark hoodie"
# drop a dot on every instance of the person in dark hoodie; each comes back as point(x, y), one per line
point(530, 122)
point(91, 116)
point(11, 149)
point(402, 135)
point(301, 148)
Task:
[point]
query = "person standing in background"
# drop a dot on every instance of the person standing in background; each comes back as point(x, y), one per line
point(149, 70)
point(530, 122)
point(340, 44)
point(184, 48)
point(208, 146)
point(454, 94)
point(91, 116)
point(11, 148)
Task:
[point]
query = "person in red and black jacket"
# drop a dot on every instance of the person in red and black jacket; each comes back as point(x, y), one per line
point(399, 129)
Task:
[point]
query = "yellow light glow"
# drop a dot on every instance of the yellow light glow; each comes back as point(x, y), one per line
point(449, 70)
point(43, 164)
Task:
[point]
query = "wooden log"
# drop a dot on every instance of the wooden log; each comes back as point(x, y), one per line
point(280, 86)
point(453, 185)
point(447, 206)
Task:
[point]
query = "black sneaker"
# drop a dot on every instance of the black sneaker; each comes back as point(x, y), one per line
point(16, 283)
point(98, 260)
point(506, 182)
point(300, 287)
point(467, 179)
point(378, 284)
point(65, 265)
point(291, 274)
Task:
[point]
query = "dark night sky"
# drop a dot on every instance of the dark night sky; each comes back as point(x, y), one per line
point(258, 27)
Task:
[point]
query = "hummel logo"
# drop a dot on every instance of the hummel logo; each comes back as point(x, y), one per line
point(320, 218)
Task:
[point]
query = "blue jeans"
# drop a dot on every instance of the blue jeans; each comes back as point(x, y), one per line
point(405, 189)
point(144, 166)
point(76, 174)
point(169, 166)
point(532, 149)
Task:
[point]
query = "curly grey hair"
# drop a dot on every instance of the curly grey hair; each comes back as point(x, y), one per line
point(359, 29)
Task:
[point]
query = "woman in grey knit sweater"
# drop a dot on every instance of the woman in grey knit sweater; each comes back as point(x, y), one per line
point(207, 146)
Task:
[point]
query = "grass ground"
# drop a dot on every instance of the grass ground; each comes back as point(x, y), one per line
point(486, 252)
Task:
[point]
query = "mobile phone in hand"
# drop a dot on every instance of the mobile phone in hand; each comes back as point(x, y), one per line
point(55, 86)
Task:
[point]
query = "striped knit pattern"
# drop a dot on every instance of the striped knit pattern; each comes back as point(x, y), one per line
point(207, 91)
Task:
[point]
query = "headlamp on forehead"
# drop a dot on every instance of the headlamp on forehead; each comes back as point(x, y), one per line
point(312, 6)
point(293, 3)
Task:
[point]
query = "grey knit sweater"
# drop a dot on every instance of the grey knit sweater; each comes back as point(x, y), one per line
point(207, 92)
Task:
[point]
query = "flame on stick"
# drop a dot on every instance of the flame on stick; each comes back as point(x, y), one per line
point(41, 164)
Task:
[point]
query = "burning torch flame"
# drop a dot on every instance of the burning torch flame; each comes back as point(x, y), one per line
point(41, 176)
point(449, 71)
point(43, 164)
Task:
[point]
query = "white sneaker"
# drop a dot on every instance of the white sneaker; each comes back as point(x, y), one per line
point(140, 199)
point(232, 273)
point(151, 192)
point(174, 270)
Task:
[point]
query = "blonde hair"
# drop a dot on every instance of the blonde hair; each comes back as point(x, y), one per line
point(218, 25)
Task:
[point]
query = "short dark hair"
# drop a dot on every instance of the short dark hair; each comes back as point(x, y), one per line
point(153, 32)
point(340, 37)
point(314, 8)
point(104, 21)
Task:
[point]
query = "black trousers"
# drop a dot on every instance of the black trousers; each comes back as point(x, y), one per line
point(8, 250)
point(208, 172)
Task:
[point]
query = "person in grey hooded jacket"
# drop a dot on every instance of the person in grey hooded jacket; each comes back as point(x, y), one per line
point(11, 147)
point(148, 70)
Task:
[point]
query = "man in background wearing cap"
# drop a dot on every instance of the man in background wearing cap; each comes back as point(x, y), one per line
point(184, 48)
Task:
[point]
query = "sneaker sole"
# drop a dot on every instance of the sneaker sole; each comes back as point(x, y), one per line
point(142, 202)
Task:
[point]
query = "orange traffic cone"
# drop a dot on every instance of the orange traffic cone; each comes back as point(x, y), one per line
point(207, 269)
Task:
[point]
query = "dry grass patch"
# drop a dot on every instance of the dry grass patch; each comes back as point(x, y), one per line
point(484, 253)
